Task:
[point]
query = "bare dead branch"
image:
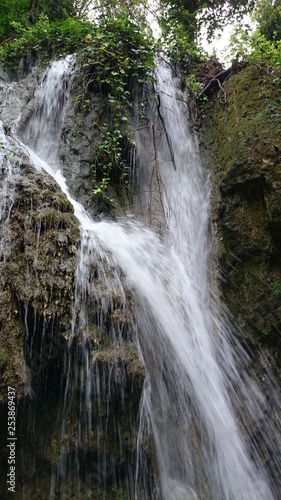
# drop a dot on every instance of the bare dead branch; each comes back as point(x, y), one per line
point(166, 132)
point(157, 190)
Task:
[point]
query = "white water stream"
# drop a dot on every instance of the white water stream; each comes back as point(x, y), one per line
point(189, 399)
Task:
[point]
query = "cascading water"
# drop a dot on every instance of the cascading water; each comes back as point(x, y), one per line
point(190, 399)
point(9, 174)
point(46, 120)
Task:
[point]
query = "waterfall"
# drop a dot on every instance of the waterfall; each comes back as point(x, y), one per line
point(51, 96)
point(194, 385)
point(8, 176)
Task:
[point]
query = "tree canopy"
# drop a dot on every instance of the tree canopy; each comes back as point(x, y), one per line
point(180, 22)
point(268, 17)
point(263, 44)
point(187, 13)
point(27, 12)
point(214, 14)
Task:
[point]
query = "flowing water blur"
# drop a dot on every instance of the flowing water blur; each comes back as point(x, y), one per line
point(9, 172)
point(191, 399)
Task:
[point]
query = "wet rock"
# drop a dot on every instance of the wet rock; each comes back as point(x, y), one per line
point(124, 356)
point(45, 345)
point(246, 169)
point(37, 272)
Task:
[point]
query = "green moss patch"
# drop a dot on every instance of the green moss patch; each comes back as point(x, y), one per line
point(243, 134)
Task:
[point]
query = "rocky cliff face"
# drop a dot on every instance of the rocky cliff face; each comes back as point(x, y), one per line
point(40, 237)
point(39, 254)
point(242, 127)
point(40, 240)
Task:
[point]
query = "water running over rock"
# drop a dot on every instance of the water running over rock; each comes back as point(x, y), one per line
point(190, 405)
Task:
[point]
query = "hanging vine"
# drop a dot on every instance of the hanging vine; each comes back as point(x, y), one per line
point(118, 57)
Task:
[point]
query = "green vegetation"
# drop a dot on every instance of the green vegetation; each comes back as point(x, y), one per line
point(113, 56)
point(109, 156)
point(247, 121)
point(255, 47)
point(43, 41)
point(194, 86)
point(276, 288)
point(268, 17)
point(116, 58)
point(179, 46)
point(244, 139)
point(120, 493)
point(263, 45)
point(28, 12)
point(191, 15)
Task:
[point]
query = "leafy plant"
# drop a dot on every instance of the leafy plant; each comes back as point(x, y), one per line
point(276, 286)
point(179, 45)
point(194, 86)
point(263, 45)
point(108, 157)
point(120, 493)
point(118, 56)
point(268, 16)
point(27, 13)
point(44, 40)
point(192, 14)
point(113, 55)
point(256, 48)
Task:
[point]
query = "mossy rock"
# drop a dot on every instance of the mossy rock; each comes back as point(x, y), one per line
point(125, 355)
point(38, 271)
point(243, 135)
point(13, 368)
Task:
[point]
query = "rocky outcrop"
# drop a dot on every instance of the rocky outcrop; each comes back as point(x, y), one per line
point(79, 129)
point(40, 237)
point(243, 134)
point(39, 248)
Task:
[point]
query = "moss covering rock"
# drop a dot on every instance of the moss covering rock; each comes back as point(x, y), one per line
point(243, 133)
point(40, 246)
point(38, 264)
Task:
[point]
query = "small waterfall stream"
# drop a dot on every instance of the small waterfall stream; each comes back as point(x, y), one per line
point(191, 397)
